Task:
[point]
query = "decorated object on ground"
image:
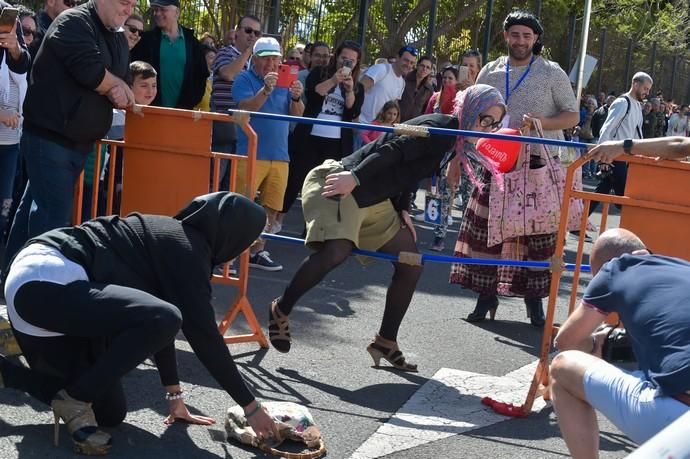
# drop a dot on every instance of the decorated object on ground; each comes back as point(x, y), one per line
point(294, 423)
point(503, 152)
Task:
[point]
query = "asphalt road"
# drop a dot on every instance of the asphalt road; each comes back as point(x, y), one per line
point(329, 371)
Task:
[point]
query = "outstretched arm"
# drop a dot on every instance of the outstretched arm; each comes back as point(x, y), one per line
point(661, 148)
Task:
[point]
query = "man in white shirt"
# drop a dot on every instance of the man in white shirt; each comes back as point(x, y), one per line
point(678, 123)
point(623, 122)
point(384, 82)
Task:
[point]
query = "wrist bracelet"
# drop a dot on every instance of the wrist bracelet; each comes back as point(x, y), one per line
point(266, 93)
point(295, 99)
point(174, 395)
point(254, 411)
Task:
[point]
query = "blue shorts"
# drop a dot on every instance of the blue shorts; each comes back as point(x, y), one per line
point(630, 402)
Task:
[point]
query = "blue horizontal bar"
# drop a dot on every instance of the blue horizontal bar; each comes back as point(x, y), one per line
point(432, 130)
point(441, 258)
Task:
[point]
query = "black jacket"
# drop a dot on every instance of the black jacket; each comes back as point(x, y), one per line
point(391, 166)
point(315, 104)
point(195, 69)
point(61, 102)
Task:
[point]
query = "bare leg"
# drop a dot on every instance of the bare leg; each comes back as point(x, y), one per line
point(576, 417)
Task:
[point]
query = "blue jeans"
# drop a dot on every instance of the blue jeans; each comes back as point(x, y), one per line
point(8, 169)
point(47, 201)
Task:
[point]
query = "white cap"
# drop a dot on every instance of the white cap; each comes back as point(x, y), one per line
point(267, 46)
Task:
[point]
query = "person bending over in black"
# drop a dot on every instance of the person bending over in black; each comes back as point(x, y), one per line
point(89, 303)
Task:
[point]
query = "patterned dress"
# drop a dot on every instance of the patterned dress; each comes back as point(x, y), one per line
point(545, 90)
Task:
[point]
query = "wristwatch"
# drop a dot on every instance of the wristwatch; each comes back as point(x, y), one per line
point(627, 146)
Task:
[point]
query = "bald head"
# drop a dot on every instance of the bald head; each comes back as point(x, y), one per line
point(611, 244)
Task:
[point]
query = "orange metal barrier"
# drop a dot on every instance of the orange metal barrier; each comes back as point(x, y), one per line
point(656, 207)
point(168, 159)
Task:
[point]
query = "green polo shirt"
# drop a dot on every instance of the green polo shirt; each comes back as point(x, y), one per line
point(173, 58)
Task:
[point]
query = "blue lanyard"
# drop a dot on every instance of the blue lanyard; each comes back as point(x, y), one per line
point(519, 82)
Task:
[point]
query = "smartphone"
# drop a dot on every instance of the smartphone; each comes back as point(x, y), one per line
point(8, 18)
point(347, 66)
point(287, 74)
point(463, 73)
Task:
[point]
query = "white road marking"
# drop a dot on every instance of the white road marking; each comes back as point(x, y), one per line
point(447, 405)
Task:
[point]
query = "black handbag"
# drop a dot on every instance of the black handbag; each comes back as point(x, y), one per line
point(617, 346)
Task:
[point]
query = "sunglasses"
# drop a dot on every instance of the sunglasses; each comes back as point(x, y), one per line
point(134, 30)
point(489, 121)
point(70, 3)
point(28, 32)
point(410, 49)
point(249, 31)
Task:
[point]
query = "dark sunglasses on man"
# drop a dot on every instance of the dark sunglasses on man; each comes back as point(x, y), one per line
point(410, 49)
point(28, 32)
point(70, 3)
point(249, 31)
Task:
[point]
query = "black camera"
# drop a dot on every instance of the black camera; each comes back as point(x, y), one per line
point(604, 170)
point(617, 346)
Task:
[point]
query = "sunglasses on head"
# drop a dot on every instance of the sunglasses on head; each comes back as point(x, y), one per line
point(249, 31)
point(410, 49)
point(489, 121)
point(134, 30)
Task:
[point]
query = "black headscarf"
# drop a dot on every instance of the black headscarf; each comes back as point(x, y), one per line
point(229, 221)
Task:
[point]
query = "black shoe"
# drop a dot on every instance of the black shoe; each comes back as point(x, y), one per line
point(485, 303)
point(535, 311)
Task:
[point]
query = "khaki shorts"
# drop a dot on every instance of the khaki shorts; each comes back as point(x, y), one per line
point(271, 180)
point(369, 228)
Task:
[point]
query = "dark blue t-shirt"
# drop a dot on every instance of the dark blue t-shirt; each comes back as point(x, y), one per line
point(651, 293)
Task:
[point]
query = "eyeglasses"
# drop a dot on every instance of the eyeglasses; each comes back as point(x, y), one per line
point(134, 30)
point(489, 121)
point(249, 31)
point(28, 32)
point(410, 49)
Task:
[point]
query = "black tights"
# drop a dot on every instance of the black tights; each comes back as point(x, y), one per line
point(334, 252)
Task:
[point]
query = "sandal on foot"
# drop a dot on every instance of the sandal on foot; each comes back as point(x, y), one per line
point(388, 350)
point(279, 329)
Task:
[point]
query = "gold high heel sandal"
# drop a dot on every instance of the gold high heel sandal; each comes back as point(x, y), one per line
point(81, 424)
point(279, 328)
point(388, 350)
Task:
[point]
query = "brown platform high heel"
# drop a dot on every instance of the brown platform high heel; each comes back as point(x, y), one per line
point(388, 350)
point(81, 424)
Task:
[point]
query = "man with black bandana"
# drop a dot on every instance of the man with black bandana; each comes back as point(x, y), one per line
point(538, 88)
point(89, 303)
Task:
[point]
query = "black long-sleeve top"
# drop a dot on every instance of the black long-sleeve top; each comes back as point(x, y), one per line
point(172, 261)
point(392, 165)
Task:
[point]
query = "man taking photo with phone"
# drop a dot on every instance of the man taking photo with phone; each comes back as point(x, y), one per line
point(257, 90)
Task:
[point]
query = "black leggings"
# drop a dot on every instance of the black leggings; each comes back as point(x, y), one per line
point(332, 253)
point(109, 330)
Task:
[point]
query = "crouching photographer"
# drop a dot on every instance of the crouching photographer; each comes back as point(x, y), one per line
point(651, 294)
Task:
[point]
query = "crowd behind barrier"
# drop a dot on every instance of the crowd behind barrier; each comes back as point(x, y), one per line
point(262, 123)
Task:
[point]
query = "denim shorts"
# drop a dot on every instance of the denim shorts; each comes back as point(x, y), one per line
point(630, 401)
